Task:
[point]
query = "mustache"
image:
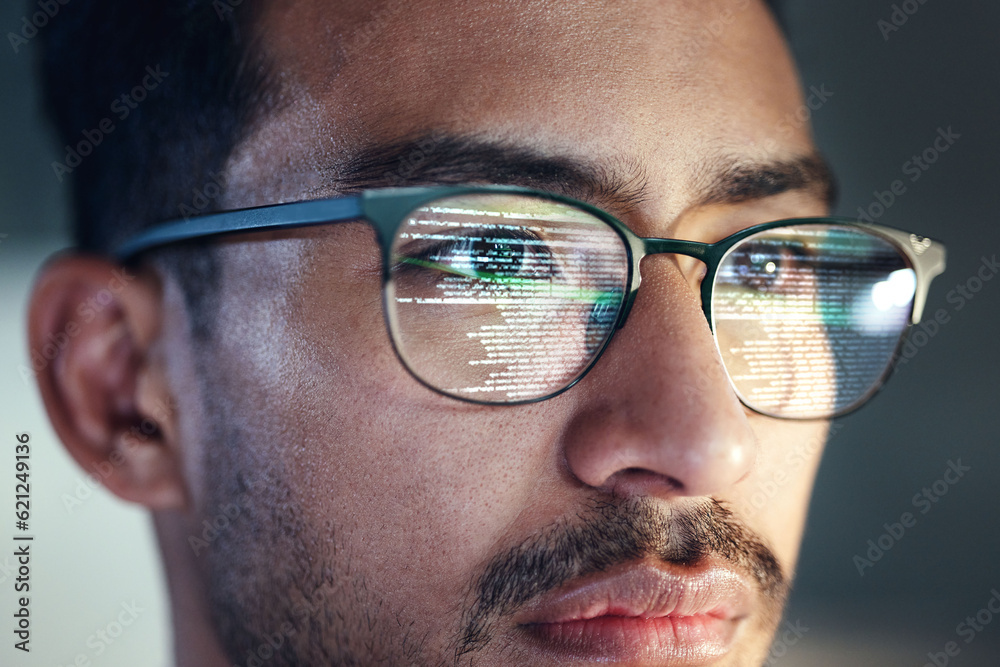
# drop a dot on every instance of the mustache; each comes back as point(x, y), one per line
point(615, 532)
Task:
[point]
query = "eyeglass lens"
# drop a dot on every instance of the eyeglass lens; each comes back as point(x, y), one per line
point(503, 298)
point(808, 317)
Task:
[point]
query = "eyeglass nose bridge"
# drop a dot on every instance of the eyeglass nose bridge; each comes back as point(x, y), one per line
point(641, 247)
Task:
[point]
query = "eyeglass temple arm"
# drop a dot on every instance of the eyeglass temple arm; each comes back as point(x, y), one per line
point(277, 216)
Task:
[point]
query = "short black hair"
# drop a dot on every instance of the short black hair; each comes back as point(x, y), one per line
point(149, 155)
point(134, 163)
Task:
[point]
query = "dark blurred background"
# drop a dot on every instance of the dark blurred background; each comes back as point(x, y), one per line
point(900, 74)
point(893, 90)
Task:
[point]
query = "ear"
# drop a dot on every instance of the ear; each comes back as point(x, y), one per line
point(93, 333)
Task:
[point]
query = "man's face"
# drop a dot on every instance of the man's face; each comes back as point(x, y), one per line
point(644, 516)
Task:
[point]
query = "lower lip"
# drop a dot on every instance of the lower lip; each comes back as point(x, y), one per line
point(665, 640)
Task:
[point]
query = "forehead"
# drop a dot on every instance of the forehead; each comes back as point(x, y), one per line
point(656, 82)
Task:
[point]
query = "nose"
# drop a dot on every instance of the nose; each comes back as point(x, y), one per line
point(657, 414)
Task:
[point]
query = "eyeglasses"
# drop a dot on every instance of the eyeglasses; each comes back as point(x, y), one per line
point(506, 295)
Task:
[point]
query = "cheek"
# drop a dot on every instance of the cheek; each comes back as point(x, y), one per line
point(774, 499)
point(337, 341)
point(418, 496)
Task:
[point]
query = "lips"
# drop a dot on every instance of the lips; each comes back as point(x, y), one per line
point(641, 614)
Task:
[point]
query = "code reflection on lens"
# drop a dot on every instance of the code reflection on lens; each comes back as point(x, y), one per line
point(808, 317)
point(503, 298)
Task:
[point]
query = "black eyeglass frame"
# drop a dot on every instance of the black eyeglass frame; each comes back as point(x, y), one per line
point(387, 208)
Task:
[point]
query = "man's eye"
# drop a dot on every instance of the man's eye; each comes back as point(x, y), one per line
point(494, 256)
point(775, 268)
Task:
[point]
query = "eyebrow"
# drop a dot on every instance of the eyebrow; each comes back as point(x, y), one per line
point(734, 181)
point(621, 187)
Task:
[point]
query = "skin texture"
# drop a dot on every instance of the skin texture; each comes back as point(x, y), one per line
point(365, 512)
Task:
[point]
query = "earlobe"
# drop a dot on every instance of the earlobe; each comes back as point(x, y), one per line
point(93, 329)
